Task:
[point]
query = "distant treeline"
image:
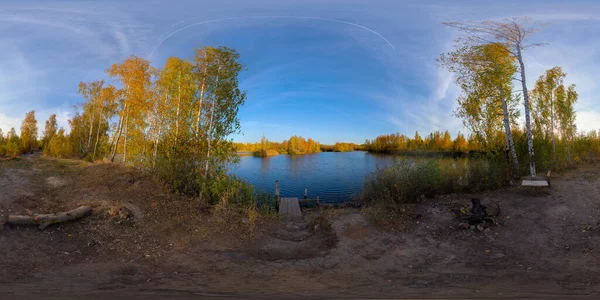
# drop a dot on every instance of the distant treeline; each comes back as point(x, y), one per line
point(342, 147)
point(295, 145)
point(435, 141)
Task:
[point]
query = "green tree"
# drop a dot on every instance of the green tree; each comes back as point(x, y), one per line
point(565, 112)
point(544, 97)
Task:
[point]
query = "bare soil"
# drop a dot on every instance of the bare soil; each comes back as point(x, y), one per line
point(142, 241)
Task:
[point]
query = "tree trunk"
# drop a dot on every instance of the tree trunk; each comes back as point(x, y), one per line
point(126, 135)
point(115, 143)
point(44, 220)
point(552, 128)
point(508, 134)
point(97, 137)
point(200, 102)
point(178, 105)
point(156, 147)
point(208, 137)
point(89, 142)
point(209, 133)
point(527, 118)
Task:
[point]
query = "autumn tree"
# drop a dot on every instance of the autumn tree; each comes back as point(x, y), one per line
point(77, 135)
point(29, 132)
point(91, 108)
point(61, 145)
point(486, 105)
point(460, 144)
point(12, 134)
point(134, 75)
point(417, 142)
point(513, 34)
point(11, 144)
point(49, 131)
point(105, 109)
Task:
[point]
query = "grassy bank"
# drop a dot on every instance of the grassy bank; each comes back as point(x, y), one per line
point(265, 153)
point(408, 179)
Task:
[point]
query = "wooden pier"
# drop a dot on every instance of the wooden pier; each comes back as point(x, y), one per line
point(540, 181)
point(289, 207)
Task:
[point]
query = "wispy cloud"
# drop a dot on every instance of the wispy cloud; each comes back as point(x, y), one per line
point(330, 62)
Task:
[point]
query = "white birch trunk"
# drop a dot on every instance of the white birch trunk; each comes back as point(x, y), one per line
point(209, 133)
point(178, 106)
point(115, 141)
point(97, 137)
point(552, 127)
point(197, 129)
point(508, 135)
point(527, 118)
point(89, 142)
point(126, 134)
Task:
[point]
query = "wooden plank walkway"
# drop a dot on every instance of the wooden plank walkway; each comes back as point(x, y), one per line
point(289, 208)
point(535, 183)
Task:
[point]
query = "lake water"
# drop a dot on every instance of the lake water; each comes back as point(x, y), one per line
point(333, 176)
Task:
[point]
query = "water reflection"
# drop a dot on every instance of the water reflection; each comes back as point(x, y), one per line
point(334, 177)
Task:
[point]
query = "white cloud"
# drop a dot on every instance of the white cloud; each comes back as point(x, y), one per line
point(587, 121)
point(7, 122)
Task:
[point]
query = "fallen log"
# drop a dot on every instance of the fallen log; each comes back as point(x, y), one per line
point(44, 220)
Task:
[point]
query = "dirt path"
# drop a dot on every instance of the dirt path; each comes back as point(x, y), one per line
point(545, 245)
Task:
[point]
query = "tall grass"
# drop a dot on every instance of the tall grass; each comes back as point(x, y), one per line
point(409, 179)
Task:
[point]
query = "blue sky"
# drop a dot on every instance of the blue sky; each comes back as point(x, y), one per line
point(330, 70)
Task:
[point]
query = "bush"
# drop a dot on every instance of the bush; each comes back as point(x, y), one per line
point(11, 149)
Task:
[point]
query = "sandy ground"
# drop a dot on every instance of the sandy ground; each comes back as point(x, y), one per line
point(141, 242)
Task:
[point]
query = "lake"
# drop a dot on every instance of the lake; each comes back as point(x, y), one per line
point(333, 176)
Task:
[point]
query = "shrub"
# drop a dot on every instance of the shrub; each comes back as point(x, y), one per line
point(11, 149)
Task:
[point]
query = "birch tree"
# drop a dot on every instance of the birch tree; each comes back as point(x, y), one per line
point(134, 75)
point(49, 130)
point(29, 132)
point(91, 108)
point(544, 96)
point(565, 113)
point(513, 34)
point(225, 98)
point(107, 105)
point(486, 105)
